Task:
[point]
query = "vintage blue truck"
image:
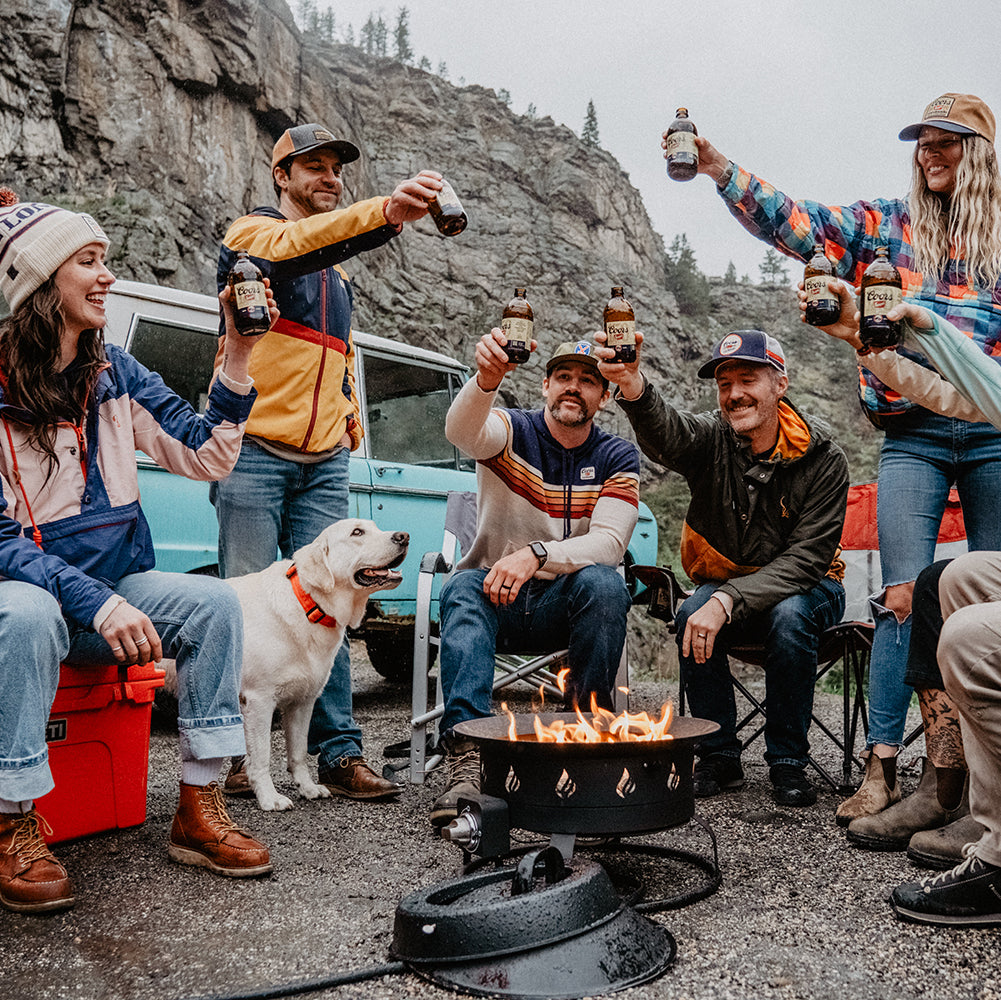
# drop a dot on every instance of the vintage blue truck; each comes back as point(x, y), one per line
point(400, 476)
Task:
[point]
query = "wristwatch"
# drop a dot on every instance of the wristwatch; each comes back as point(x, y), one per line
point(540, 553)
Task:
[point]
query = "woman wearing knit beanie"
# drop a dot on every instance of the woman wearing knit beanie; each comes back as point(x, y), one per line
point(75, 548)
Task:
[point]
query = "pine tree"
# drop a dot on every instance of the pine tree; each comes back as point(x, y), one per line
point(589, 135)
point(730, 277)
point(531, 111)
point(683, 277)
point(381, 37)
point(442, 70)
point(366, 37)
point(424, 64)
point(401, 37)
point(772, 269)
point(504, 96)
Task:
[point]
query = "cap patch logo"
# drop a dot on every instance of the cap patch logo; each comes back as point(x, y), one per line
point(322, 135)
point(730, 345)
point(582, 347)
point(940, 108)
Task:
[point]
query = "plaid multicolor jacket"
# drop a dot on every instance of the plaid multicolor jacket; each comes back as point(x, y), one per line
point(851, 234)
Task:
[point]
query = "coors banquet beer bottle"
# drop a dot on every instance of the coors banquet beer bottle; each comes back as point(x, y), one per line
point(250, 303)
point(447, 212)
point(822, 305)
point(682, 153)
point(882, 289)
point(518, 326)
point(620, 327)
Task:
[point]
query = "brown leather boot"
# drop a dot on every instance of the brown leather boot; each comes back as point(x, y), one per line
point(203, 834)
point(354, 779)
point(943, 848)
point(873, 795)
point(892, 829)
point(31, 879)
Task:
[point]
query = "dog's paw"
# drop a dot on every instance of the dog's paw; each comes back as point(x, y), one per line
point(313, 791)
point(274, 802)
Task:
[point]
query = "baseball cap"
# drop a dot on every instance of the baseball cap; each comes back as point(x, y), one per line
point(305, 138)
point(746, 345)
point(35, 240)
point(962, 113)
point(573, 350)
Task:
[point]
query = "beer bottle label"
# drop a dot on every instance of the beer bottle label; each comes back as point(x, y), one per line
point(817, 290)
point(878, 300)
point(682, 142)
point(517, 330)
point(250, 294)
point(447, 195)
point(621, 333)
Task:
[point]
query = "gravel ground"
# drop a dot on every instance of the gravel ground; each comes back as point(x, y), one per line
point(800, 914)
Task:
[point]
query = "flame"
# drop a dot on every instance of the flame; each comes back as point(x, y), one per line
point(603, 726)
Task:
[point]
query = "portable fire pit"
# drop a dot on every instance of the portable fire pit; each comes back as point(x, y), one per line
point(510, 932)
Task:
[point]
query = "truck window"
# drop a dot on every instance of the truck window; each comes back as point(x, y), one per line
point(406, 407)
point(181, 355)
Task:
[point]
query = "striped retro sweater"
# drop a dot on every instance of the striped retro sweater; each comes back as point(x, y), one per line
point(582, 502)
point(851, 234)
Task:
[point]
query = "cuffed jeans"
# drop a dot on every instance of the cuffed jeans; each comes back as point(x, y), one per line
point(268, 505)
point(791, 633)
point(583, 611)
point(918, 464)
point(200, 625)
point(969, 653)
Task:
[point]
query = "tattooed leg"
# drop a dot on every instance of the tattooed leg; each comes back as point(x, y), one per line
point(944, 745)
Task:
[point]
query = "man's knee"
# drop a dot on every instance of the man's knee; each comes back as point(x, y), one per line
point(969, 650)
point(602, 585)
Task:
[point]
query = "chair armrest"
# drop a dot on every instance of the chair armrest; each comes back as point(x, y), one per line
point(435, 562)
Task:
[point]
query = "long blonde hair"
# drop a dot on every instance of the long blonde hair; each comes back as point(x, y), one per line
point(968, 223)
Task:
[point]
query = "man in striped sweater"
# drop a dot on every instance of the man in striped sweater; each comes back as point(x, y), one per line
point(557, 500)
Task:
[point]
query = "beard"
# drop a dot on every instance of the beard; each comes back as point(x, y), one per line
point(567, 417)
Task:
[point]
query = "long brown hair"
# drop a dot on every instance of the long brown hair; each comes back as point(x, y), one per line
point(967, 224)
point(29, 357)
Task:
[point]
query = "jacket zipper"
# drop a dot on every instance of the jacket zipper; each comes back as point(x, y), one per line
point(323, 362)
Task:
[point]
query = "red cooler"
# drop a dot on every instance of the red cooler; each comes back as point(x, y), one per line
point(98, 737)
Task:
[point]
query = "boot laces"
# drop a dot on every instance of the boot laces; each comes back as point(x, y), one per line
point(968, 867)
point(464, 767)
point(27, 842)
point(215, 807)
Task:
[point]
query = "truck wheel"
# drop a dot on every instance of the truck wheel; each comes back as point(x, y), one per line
point(391, 653)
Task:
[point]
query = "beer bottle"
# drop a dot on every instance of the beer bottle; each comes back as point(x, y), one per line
point(447, 211)
point(250, 303)
point(882, 289)
point(822, 305)
point(682, 153)
point(620, 328)
point(518, 326)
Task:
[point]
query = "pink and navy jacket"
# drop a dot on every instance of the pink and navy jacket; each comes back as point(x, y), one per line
point(85, 515)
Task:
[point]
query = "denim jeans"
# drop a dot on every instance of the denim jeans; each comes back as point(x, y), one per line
point(917, 466)
point(791, 633)
point(268, 505)
point(583, 611)
point(200, 624)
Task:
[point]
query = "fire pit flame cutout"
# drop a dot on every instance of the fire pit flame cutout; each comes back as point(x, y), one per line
point(512, 783)
point(566, 786)
point(626, 785)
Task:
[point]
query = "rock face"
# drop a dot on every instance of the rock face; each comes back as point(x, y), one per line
point(159, 118)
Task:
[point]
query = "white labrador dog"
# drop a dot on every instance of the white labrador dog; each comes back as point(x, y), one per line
point(288, 653)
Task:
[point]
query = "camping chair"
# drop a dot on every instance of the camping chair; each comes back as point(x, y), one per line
point(533, 668)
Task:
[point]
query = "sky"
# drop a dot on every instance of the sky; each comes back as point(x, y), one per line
point(808, 95)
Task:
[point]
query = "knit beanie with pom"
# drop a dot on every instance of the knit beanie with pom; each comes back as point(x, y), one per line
point(35, 239)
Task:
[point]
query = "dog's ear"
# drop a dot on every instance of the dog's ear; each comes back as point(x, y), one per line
point(311, 561)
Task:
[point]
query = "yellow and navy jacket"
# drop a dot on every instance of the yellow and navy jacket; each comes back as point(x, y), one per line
point(581, 502)
point(303, 369)
point(762, 529)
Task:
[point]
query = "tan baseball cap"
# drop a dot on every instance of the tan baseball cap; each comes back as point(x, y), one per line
point(962, 113)
point(581, 351)
point(306, 138)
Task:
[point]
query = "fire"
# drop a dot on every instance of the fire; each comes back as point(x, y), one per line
point(603, 726)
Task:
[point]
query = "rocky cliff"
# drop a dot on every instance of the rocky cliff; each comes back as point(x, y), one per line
point(159, 116)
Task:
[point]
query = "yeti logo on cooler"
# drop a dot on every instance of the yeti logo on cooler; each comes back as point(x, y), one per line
point(55, 731)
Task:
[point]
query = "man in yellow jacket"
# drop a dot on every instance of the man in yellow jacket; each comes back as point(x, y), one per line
point(291, 479)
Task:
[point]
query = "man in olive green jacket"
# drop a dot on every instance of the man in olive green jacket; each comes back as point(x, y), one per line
point(761, 541)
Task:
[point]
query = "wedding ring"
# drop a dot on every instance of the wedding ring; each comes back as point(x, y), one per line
point(139, 642)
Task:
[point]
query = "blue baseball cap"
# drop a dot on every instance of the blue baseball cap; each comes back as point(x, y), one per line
point(746, 345)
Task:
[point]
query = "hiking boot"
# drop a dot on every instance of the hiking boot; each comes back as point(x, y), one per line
point(203, 835)
point(237, 783)
point(462, 759)
point(31, 879)
point(352, 778)
point(943, 848)
point(968, 895)
point(791, 786)
point(717, 773)
point(892, 829)
point(873, 795)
